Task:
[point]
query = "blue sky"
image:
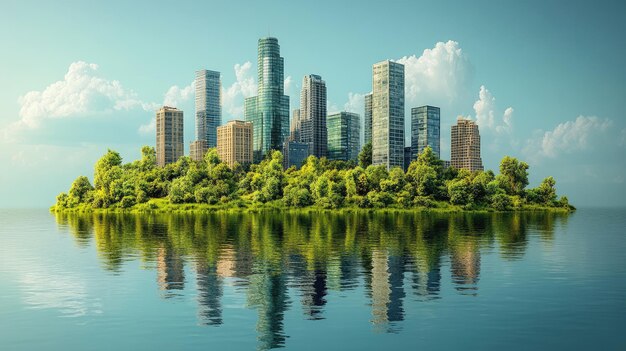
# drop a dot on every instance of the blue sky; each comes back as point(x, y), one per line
point(544, 80)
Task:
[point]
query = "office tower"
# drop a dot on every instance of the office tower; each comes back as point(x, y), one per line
point(234, 142)
point(367, 119)
point(294, 128)
point(313, 114)
point(408, 154)
point(388, 114)
point(197, 149)
point(208, 106)
point(269, 110)
point(425, 129)
point(294, 153)
point(465, 148)
point(344, 133)
point(169, 135)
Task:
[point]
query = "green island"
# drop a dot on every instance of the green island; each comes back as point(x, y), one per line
point(211, 185)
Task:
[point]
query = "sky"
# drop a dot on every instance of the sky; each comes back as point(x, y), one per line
point(544, 80)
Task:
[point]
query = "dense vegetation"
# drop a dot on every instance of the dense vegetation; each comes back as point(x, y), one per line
point(319, 183)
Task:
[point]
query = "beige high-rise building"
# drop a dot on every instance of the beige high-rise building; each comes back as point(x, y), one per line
point(465, 148)
point(197, 149)
point(234, 142)
point(169, 135)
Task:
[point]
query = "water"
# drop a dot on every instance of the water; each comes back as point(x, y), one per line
point(313, 281)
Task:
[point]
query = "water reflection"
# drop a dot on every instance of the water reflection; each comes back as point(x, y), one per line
point(277, 260)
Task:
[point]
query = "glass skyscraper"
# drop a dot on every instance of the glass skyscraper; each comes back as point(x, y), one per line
point(367, 119)
point(388, 114)
point(425, 130)
point(344, 133)
point(208, 106)
point(269, 110)
point(313, 114)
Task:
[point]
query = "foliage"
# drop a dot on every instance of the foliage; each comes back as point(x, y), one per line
point(319, 182)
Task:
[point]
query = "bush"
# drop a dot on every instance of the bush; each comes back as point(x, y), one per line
point(501, 202)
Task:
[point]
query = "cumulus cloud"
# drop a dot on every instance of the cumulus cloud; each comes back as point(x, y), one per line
point(566, 137)
point(440, 76)
point(243, 87)
point(487, 115)
point(81, 92)
point(356, 103)
point(175, 95)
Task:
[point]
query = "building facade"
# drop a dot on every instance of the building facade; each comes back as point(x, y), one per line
point(234, 142)
point(465, 145)
point(169, 135)
point(367, 119)
point(269, 110)
point(388, 114)
point(408, 157)
point(425, 130)
point(197, 149)
point(313, 115)
point(295, 126)
point(344, 134)
point(294, 153)
point(208, 105)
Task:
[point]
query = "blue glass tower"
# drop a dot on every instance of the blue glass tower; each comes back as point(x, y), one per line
point(269, 110)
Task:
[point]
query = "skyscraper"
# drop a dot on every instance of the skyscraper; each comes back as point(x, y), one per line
point(234, 142)
point(465, 148)
point(269, 110)
point(208, 106)
point(388, 114)
point(169, 135)
point(425, 130)
point(294, 128)
point(313, 114)
point(344, 134)
point(367, 119)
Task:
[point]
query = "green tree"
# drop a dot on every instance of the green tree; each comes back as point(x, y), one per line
point(365, 156)
point(81, 189)
point(513, 175)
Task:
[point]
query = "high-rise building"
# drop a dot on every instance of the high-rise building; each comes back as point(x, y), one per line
point(408, 154)
point(367, 119)
point(234, 142)
point(344, 134)
point(388, 114)
point(313, 114)
point(208, 106)
point(269, 110)
point(294, 153)
point(465, 147)
point(169, 135)
point(425, 129)
point(294, 128)
point(197, 149)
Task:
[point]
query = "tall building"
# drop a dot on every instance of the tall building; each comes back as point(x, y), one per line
point(425, 130)
point(388, 114)
point(294, 153)
point(208, 106)
point(295, 126)
point(197, 149)
point(344, 134)
point(465, 148)
point(313, 114)
point(408, 154)
point(367, 119)
point(269, 110)
point(169, 135)
point(234, 142)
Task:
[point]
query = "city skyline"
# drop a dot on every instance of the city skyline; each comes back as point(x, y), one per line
point(564, 119)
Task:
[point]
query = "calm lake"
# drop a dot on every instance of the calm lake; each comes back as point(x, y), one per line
point(317, 281)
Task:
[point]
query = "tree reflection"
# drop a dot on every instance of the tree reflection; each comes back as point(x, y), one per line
point(275, 258)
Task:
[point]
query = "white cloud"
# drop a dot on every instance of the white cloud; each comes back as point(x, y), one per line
point(288, 83)
point(81, 92)
point(175, 95)
point(486, 111)
point(148, 128)
point(566, 137)
point(243, 87)
point(441, 76)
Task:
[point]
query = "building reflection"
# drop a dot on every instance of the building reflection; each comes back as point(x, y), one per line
point(309, 258)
